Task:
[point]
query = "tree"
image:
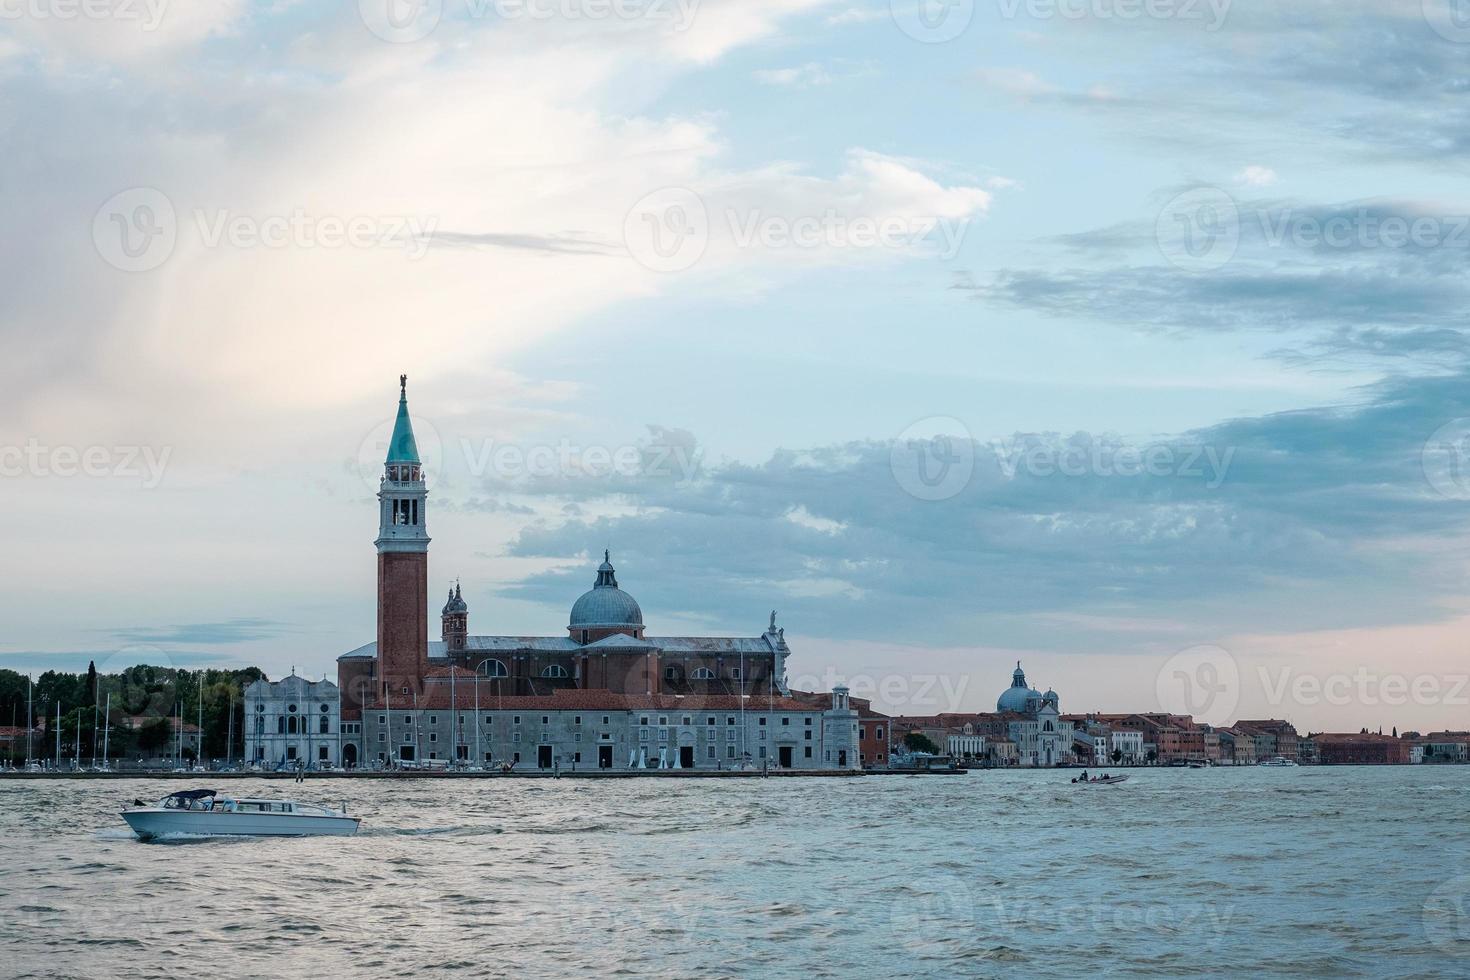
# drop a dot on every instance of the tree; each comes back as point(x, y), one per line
point(92, 681)
point(919, 742)
point(155, 734)
point(1117, 756)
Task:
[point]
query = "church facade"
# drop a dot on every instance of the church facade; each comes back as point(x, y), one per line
point(605, 695)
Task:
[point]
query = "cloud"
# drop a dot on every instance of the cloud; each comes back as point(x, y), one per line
point(1308, 518)
point(233, 631)
point(1256, 176)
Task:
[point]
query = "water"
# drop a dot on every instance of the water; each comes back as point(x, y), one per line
point(1300, 872)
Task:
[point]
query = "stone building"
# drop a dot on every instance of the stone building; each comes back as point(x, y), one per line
point(604, 695)
point(293, 721)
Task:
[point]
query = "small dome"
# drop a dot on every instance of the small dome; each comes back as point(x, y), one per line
point(606, 605)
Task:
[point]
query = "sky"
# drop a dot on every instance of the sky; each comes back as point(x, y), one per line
point(1121, 338)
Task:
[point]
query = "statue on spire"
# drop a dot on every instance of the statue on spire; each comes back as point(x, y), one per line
point(403, 385)
point(773, 620)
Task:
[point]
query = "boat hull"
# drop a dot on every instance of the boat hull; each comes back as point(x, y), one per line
point(151, 823)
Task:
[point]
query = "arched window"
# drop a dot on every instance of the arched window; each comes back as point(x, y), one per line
point(280, 724)
point(1050, 727)
point(493, 668)
point(703, 674)
point(291, 726)
point(555, 671)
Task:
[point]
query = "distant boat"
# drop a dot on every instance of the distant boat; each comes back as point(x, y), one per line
point(203, 812)
point(1099, 780)
point(1278, 762)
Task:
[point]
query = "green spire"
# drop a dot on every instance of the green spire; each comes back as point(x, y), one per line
point(402, 448)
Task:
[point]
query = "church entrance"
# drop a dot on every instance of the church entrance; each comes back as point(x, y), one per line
point(604, 756)
point(543, 757)
point(686, 757)
point(842, 758)
point(784, 756)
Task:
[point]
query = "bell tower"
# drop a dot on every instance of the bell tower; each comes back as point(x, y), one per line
point(403, 562)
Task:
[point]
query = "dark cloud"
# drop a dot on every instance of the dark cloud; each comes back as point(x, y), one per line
point(1305, 528)
point(233, 631)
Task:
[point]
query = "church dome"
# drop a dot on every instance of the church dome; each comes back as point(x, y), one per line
point(606, 605)
point(1018, 696)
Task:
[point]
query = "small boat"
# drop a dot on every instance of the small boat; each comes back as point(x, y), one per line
point(203, 812)
point(1099, 780)
point(1277, 762)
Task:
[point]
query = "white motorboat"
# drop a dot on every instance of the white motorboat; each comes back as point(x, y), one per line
point(1277, 762)
point(203, 812)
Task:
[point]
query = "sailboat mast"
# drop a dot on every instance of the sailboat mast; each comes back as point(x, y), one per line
point(58, 731)
point(106, 727)
point(30, 725)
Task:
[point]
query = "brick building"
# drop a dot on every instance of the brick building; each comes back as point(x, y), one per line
point(603, 695)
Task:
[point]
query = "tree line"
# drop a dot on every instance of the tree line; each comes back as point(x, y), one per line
point(153, 695)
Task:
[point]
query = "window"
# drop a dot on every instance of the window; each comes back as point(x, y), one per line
point(711, 751)
point(735, 673)
point(433, 737)
point(280, 724)
point(808, 735)
point(763, 722)
point(577, 720)
point(663, 734)
point(643, 720)
point(663, 719)
point(577, 737)
point(785, 721)
point(321, 753)
point(326, 726)
point(730, 720)
point(763, 751)
point(605, 719)
point(688, 721)
point(729, 751)
point(517, 719)
point(433, 719)
point(556, 671)
point(729, 734)
point(809, 722)
point(324, 709)
point(493, 668)
point(642, 734)
point(382, 719)
point(291, 708)
point(516, 737)
point(702, 674)
point(808, 751)
point(382, 736)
